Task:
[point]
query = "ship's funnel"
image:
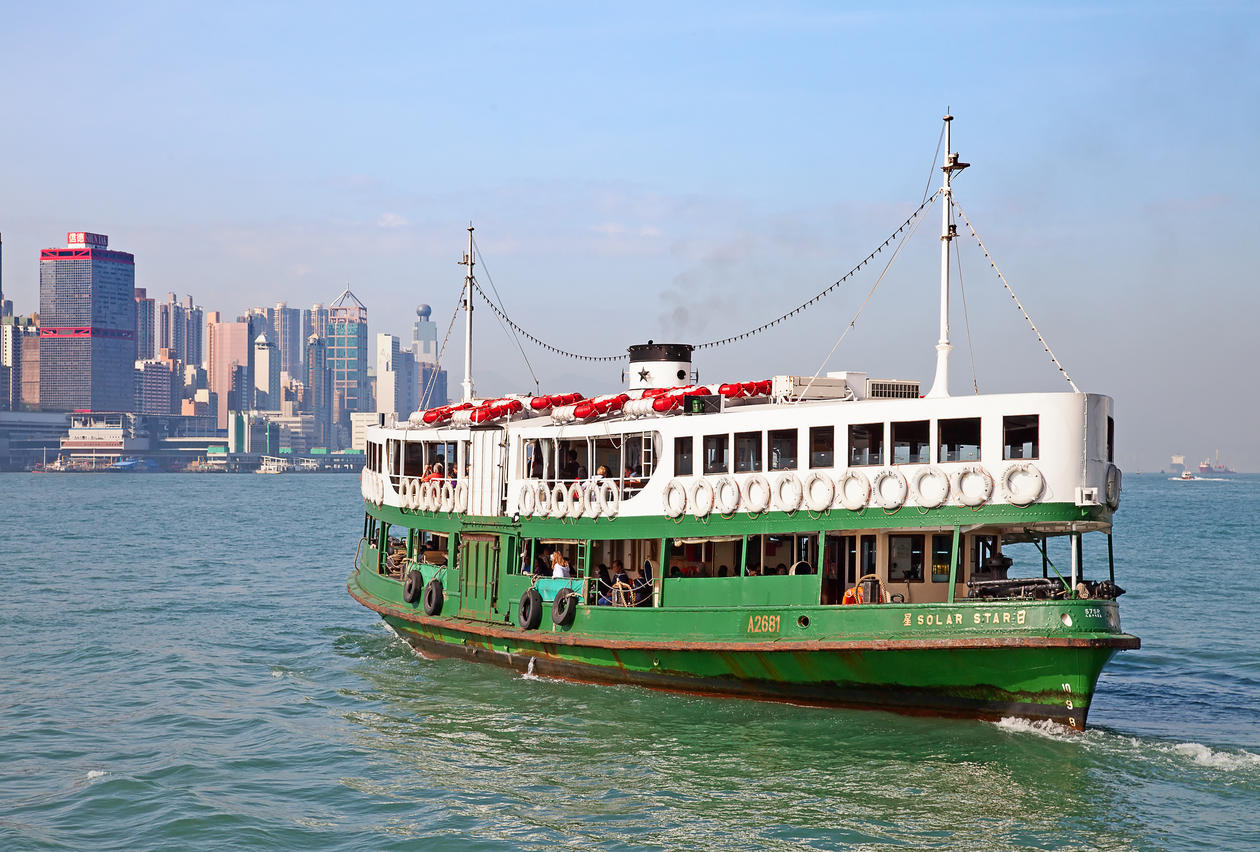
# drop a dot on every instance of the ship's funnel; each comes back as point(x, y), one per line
point(659, 365)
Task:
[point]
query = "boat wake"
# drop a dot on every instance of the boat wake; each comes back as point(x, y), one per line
point(528, 674)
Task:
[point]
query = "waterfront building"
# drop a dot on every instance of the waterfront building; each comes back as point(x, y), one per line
point(314, 321)
point(318, 390)
point(430, 378)
point(229, 349)
point(286, 334)
point(145, 317)
point(172, 327)
point(397, 383)
point(360, 421)
point(424, 334)
point(159, 385)
point(266, 374)
point(432, 386)
point(251, 432)
point(346, 352)
point(30, 347)
point(194, 332)
point(88, 326)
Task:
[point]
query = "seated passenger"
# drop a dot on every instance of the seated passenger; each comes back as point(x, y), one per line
point(643, 587)
point(621, 591)
point(560, 566)
point(438, 472)
point(601, 472)
point(603, 586)
point(723, 571)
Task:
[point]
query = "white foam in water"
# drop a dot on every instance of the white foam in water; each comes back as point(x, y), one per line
point(1228, 760)
point(93, 774)
point(529, 671)
point(1041, 727)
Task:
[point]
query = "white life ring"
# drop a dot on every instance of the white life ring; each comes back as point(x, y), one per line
point(461, 496)
point(855, 489)
point(448, 497)
point(577, 500)
point(932, 487)
point(702, 496)
point(590, 497)
point(674, 499)
point(894, 498)
point(432, 495)
point(1022, 484)
point(560, 500)
point(976, 495)
point(542, 500)
point(726, 496)
point(1112, 487)
point(378, 491)
point(413, 494)
point(819, 500)
point(363, 481)
point(527, 500)
point(609, 499)
point(753, 501)
point(788, 492)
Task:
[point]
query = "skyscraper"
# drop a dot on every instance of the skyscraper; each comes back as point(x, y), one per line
point(396, 380)
point(286, 334)
point(347, 355)
point(144, 325)
point(318, 399)
point(194, 334)
point(431, 379)
point(230, 353)
point(266, 374)
point(87, 330)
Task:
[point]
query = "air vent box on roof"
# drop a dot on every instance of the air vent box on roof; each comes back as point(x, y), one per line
point(891, 389)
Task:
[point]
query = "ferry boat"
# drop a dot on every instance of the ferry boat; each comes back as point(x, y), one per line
point(835, 540)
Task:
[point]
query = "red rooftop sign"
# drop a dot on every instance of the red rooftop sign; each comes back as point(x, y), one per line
point(83, 239)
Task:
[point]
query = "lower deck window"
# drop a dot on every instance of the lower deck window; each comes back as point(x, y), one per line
point(905, 559)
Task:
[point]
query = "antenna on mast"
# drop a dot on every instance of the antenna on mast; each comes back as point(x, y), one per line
point(940, 384)
point(469, 261)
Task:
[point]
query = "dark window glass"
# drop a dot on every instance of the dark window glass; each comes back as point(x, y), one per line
point(748, 452)
point(866, 444)
point(715, 451)
point(959, 440)
point(1111, 439)
point(783, 449)
point(905, 559)
point(942, 548)
point(1019, 436)
point(822, 446)
point(683, 465)
point(910, 442)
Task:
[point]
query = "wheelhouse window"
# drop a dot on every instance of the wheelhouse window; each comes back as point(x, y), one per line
point(1020, 436)
point(910, 442)
point(866, 444)
point(715, 453)
point(959, 440)
point(905, 559)
point(822, 446)
point(783, 449)
point(413, 458)
point(683, 463)
point(748, 452)
point(942, 550)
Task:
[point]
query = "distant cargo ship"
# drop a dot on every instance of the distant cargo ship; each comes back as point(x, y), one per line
point(1215, 467)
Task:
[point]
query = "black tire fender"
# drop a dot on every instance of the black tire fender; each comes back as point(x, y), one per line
point(563, 608)
point(412, 586)
point(433, 597)
point(529, 615)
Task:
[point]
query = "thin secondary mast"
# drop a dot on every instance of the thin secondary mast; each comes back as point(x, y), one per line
point(469, 261)
point(940, 384)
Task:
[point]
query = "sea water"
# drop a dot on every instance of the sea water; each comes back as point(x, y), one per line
point(183, 668)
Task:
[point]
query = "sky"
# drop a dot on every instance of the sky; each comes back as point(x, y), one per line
point(680, 172)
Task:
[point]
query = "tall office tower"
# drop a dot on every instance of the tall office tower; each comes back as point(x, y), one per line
point(396, 380)
point(266, 374)
point(11, 366)
point(432, 386)
point(229, 349)
point(172, 327)
point(287, 334)
point(314, 321)
point(159, 385)
point(87, 305)
point(424, 336)
point(347, 355)
point(319, 389)
point(2, 311)
point(194, 333)
point(144, 325)
point(30, 371)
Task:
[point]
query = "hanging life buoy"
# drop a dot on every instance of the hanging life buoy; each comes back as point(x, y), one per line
point(542, 500)
point(756, 494)
point(564, 608)
point(590, 494)
point(560, 501)
point(726, 496)
point(852, 596)
point(609, 499)
point(973, 486)
point(529, 612)
point(855, 490)
point(448, 496)
point(1022, 484)
point(433, 597)
point(526, 501)
point(364, 478)
point(412, 586)
point(702, 498)
point(788, 492)
point(894, 496)
point(1112, 487)
point(932, 487)
point(413, 494)
point(461, 496)
point(674, 499)
point(378, 492)
point(820, 491)
point(577, 500)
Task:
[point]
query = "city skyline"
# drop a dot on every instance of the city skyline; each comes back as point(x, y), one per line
point(716, 166)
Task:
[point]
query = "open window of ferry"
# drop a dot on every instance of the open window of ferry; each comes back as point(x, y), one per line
point(1019, 436)
point(748, 452)
point(905, 559)
point(822, 446)
point(715, 451)
point(866, 444)
point(783, 449)
point(683, 463)
point(910, 442)
point(959, 439)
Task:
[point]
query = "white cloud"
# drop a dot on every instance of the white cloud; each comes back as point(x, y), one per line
point(390, 220)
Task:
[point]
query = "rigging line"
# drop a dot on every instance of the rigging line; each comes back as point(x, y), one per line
point(428, 388)
point(932, 169)
point(1006, 284)
point(971, 350)
point(804, 305)
point(853, 322)
point(554, 349)
point(515, 339)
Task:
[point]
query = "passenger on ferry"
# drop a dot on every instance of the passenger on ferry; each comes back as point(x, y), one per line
point(603, 586)
point(536, 464)
point(643, 587)
point(560, 566)
point(723, 571)
point(601, 472)
point(437, 473)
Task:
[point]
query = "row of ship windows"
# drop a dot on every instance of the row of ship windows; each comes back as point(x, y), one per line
point(910, 442)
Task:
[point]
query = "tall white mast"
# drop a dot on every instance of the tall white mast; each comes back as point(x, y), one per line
point(940, 384)
point(470, 261)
